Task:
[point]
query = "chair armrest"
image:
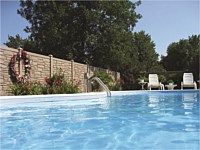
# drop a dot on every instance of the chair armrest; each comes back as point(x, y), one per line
point(162, 86)
point(195, 85)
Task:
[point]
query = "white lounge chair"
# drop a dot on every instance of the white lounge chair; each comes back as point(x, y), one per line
point(188, 81)
point(154, 82)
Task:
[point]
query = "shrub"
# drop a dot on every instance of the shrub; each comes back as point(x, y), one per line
point(26, 88)
point(105, 78)
point(62, 88)
point(162, 78)
point(54, 85)
point(116, 86)
point(58, 85)
point(142, 78)
point(170, 81)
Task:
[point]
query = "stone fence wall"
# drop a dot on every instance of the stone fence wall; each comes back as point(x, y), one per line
point(45, 66)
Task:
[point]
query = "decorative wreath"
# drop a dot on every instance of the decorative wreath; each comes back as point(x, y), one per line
point(26, 63)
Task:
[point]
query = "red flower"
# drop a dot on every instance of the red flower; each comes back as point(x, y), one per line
point(24, 54)
point(13, 58)
point(28, 87)
point(21, 79)
point(26, 61)
point(58, 82)
point(16, 74)
point(48, 81)
point(51, 89)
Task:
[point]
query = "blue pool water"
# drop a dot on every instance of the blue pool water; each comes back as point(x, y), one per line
point(131, 120)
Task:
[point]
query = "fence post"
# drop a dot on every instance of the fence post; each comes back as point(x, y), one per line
point(51, 65)
point(72, 71)
point(88, 69)
point(20, 62)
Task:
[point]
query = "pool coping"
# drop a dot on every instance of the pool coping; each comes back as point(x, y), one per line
point(5, 100)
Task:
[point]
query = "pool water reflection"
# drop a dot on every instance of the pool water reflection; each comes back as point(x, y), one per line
point(128, 120)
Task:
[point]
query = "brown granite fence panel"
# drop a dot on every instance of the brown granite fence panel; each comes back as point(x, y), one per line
point(5, 56)
point(45, 66)
point(40, 67)
point(63, 66)
point(79, 78)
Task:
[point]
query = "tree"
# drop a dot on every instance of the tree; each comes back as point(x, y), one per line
point(17, 41)
point(145, 48)
point(183, 55)
point(94, 32)
point(194, 42)
point(144, 59)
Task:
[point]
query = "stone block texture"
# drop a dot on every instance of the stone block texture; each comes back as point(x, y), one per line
point(45, 66)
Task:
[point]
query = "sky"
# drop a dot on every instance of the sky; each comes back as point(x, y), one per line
point(11, 22)
point(169, 21)
point(166, 21)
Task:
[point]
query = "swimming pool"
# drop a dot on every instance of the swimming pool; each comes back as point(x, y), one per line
point(127, 120)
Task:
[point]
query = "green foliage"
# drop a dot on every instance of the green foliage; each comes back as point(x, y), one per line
point(162, 78)
point(58, 85)
point(142, 78)
point(183, 55)
point(99, 33)
point(115, 86)
point(108, 80)
point(142, 59)
point(145, 48)
point(17, 41)
point(26, 88)
point(55, 85)
point(105, 78)
point(86, 31)
point(64, 88)
point(177, 77)
point(170, 81)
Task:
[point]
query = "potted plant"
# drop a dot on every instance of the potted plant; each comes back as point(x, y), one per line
point(142, 79)
point(170, 82)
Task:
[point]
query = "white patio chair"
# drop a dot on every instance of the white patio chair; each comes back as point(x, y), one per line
point(154, 82)
point(188, 81)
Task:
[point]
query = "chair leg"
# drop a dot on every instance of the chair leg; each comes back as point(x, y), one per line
point(162, 87)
